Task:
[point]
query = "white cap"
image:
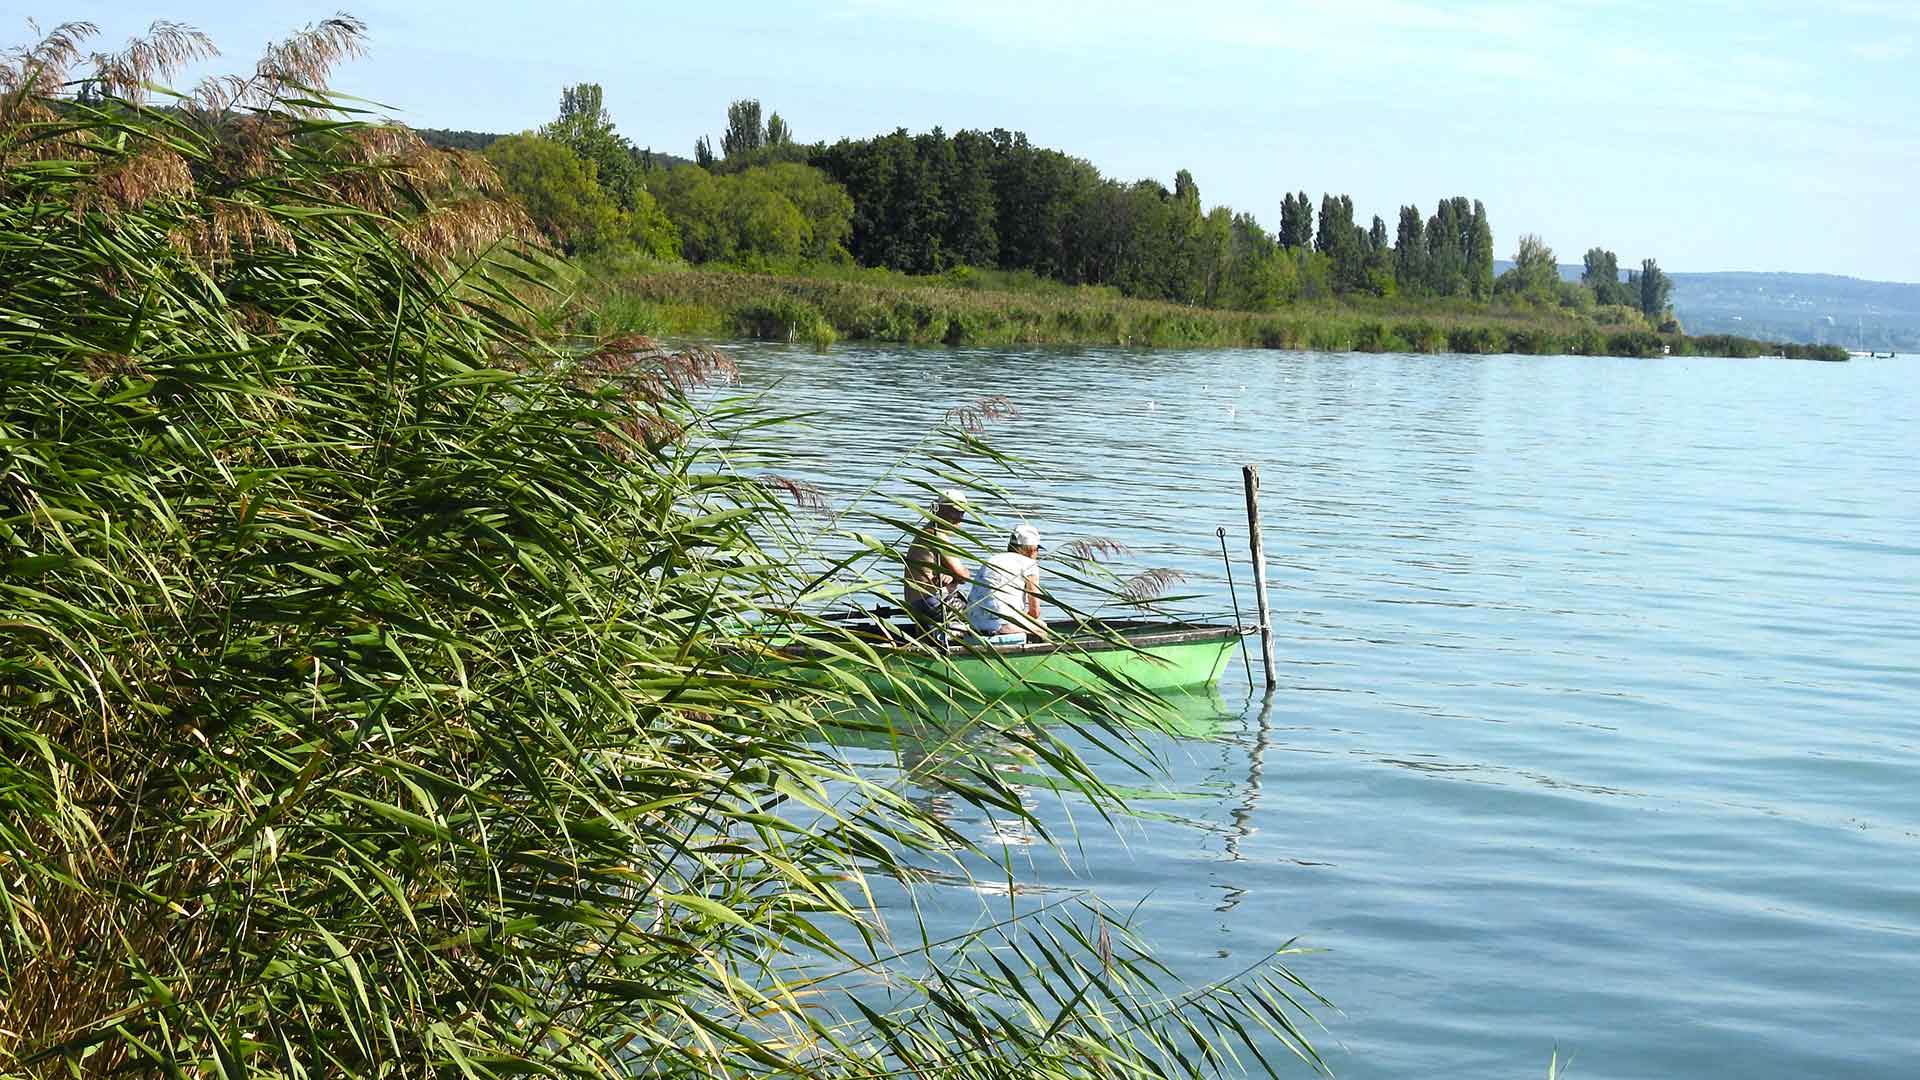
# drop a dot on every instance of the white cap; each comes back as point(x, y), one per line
point(1026, 536)
point(952, 498)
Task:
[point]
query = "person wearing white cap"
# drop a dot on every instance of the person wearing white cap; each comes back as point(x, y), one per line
point(933, 573)
point(1004, 607)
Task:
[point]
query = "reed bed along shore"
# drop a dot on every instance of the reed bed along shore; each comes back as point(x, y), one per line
point(387, 690)
point(823, 308)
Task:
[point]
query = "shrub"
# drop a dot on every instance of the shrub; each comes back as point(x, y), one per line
point(783, 318)
point(1328, 338)
point(1636, 343)
point(1534, 341)
point(1475, 339)
point(1374, 337)
point(1422, 336)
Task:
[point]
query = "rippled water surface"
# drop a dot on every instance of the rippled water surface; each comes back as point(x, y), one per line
point(1599, 724)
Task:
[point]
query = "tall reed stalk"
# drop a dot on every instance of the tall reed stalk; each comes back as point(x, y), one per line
point(374, 693)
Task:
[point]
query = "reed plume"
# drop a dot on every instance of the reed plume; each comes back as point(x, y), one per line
point(228, 225)
point(304, 61)
point(149, 59)
point(975, 416)
point(464, 227)
point(805, 494)
point(647, 370)
point(40, 70)
point(1094, 549)
point(153, 173)
point(1148, 585)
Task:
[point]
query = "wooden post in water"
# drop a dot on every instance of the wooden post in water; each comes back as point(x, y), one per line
point(1251, 474)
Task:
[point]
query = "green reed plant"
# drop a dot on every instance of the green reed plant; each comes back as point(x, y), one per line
point(383, 680)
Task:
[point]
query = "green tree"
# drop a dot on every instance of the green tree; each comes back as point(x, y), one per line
point(1328, 237)
point(585, 128)
point(647, 227)
point(764, 222)
point(1296, 221)
point(1446, 255)
point(823, 206)
point(1655, 289)
point(1213, 255)
point(1191, 253)
point(558, 191)
point(1038, 197)
point(1313, 273)
point(1259, 274)
point(1600, 267)
point(1480, 254)
point(1536, 272)
point(1601, 273)
point(1344, 243)
point(744, 132)
point(971, 235)
point(703, 153)
point(695, 201)
point(1410, 251)
point(778, 134)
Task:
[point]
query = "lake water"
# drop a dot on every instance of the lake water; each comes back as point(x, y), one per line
point(1599, 720)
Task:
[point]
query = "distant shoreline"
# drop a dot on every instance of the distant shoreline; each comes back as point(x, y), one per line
point(961, 309)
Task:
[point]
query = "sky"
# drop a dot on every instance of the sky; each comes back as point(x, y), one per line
point(1711, 135)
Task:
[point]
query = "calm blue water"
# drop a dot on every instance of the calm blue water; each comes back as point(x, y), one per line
point(1599, 725)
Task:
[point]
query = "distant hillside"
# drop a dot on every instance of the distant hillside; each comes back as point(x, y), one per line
point(1816, 308)
point(449, 139)
point(1820, 308)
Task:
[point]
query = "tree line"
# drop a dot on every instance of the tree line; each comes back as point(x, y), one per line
point(932, 202)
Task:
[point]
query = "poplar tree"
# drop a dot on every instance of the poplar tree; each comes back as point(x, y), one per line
point(585, 128)
point(1331, 230)
point(1410, 251)
point(744, 134)
point(1446, 262)
point(1602, 275)
point(1480, 254)
point(1655, 288)
point(1296, 221)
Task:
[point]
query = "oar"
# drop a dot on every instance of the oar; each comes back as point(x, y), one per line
point(1234, 591)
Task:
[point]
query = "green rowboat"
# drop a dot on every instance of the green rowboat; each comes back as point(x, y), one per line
point(1158, 656)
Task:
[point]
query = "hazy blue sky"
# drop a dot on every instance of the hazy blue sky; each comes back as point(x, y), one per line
point(1712, 135)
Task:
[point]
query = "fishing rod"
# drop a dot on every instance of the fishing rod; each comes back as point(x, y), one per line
point(1233, 591)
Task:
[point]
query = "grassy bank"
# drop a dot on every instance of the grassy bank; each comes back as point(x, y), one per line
point(829, 304)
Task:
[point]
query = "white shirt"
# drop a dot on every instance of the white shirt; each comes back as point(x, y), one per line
point(1000, 593)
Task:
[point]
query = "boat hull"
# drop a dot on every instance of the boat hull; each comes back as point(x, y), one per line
point(1156, 658)
point(1159, 669)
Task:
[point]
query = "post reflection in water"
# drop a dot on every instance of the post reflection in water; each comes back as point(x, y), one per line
point(1241, 820)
